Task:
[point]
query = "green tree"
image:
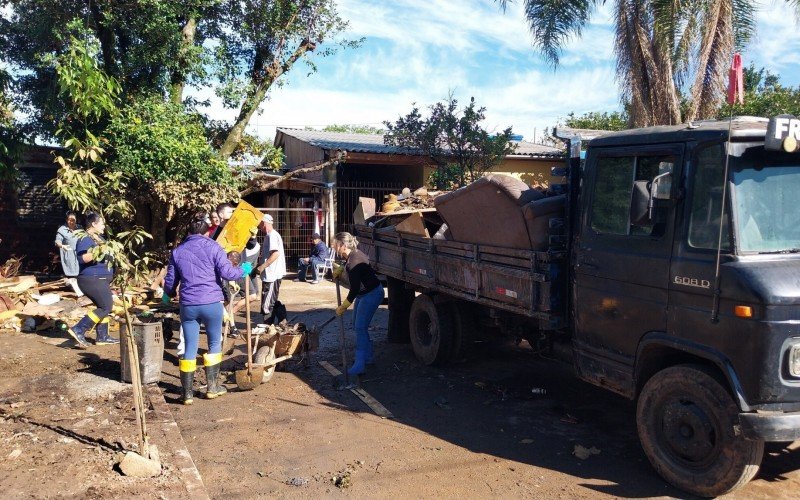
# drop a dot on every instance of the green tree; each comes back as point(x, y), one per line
point(240, 47)
point(667, 52)
point(604, 120)
point(10, 135)
point(354, 129)
point(764, 96)
point(453, 138)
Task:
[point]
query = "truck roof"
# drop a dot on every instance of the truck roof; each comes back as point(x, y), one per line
point(701, 131)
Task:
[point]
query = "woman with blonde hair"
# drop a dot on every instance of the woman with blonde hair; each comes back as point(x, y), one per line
point(366, 294)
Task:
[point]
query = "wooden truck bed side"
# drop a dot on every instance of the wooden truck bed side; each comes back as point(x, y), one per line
point(518, 281)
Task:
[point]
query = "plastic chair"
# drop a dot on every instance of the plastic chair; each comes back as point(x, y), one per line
point(327, 265)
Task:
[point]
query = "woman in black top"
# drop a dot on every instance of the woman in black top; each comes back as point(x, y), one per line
point(366, 292)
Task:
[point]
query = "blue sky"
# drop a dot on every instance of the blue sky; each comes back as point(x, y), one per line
point(416, 51)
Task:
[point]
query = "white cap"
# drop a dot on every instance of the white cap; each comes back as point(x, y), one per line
point(268, 218)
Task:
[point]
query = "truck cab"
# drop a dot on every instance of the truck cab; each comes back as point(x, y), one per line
point(685, 292)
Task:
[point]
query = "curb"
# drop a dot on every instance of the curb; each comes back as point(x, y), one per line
point(183, 460)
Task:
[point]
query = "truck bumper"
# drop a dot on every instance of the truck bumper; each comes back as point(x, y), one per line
point(773, 426)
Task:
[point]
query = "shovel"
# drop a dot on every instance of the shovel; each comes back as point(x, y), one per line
point(249, 378)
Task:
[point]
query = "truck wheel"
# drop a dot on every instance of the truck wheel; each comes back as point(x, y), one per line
point(431, 328)
point(686, 420)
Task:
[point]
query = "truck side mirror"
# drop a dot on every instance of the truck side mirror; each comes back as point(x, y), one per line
point(662, 185)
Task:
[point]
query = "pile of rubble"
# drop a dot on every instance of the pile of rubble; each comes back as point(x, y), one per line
point(407, 201)
point(27, 305)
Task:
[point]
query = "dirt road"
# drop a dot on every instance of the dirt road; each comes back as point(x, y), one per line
point(505, 425)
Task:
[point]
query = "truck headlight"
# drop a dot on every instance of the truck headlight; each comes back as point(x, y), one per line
point(794, 360)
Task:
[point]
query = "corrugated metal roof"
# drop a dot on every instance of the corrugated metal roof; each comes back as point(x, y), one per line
point(357, 143)
point(373, 143)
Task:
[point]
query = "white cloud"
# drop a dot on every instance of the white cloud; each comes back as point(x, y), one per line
point(777, 46)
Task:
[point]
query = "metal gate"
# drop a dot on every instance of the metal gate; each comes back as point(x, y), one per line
point(295, 225)
point(348, 193)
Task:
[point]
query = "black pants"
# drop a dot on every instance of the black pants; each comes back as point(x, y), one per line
point(99, 290)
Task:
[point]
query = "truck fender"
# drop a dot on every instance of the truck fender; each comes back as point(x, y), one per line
point(657, 351)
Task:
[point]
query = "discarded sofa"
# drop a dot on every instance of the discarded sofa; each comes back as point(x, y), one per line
point(491, 211)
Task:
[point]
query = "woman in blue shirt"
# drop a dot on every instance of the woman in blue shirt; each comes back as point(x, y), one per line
point(94, 279)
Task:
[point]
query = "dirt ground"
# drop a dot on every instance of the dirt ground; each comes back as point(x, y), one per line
point(504, 424)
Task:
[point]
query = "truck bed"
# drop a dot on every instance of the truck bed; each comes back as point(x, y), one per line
point(517, 281)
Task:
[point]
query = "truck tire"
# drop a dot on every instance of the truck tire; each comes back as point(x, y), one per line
point(686, 420)
point(431, 329)
point(464, 330)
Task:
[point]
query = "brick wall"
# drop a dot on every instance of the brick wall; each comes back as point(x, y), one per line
point(30, 213)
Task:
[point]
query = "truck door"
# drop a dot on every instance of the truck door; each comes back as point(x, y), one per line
point(622, 259)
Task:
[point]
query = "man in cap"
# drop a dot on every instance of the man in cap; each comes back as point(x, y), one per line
point(271, 267)
point(319, 252)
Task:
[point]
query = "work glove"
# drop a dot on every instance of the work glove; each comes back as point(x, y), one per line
point(247, 267)
point(342, 308)
point(165, 298)
point(337, 271)
point(254, 273)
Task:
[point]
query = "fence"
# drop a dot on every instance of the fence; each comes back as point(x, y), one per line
point(348, 193)
point(295, 225)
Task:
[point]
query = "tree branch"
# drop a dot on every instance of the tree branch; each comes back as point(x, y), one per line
point(261, 183)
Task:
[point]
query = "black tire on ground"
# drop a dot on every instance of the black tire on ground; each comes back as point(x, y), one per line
point(400, 300)
point(686, 420)
point(264, 354)
point(431, 328)
point(464, 329)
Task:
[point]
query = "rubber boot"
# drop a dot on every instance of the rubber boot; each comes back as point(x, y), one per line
point(103, 338)
point(78, 331)
point(187, 368)
point(212, 363)
point(359, 365)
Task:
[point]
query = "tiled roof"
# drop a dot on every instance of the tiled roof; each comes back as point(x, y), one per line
point(373, 143)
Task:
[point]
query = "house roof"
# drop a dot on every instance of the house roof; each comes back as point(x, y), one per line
point(356, 143)
point(373, 143)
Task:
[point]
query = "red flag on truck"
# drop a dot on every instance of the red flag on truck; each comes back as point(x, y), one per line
point(736, 81)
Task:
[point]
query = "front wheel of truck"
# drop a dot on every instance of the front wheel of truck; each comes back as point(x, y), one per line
point(686, 421)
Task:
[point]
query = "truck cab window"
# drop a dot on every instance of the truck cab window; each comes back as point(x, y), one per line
point(623, 181)
point(709, 168)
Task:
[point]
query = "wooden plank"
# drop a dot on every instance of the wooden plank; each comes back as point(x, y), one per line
point(413, 224)
point(363, 395)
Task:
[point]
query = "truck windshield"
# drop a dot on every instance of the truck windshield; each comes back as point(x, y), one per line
point(765, 201)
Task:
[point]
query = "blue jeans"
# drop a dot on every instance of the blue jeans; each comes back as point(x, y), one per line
point(364, 309)
point(312, 263)
point(211, 316)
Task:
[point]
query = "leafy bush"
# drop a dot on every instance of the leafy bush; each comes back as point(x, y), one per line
point(158, 141)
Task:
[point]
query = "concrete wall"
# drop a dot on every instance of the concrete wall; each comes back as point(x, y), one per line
point(531, 171)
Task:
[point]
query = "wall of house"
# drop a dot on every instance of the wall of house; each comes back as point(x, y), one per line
point(30, 214)
point(531, 171)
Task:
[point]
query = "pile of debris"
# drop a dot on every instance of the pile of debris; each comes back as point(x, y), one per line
point(28, 306)
point(420, 199)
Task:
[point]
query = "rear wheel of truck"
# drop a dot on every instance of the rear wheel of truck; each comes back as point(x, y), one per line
point(686, 419)
point(431, 328)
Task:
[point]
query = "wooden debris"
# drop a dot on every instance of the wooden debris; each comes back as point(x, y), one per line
point(413, 224)
point(17, 284)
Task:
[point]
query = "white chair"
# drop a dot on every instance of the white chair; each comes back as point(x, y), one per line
point(322, 269)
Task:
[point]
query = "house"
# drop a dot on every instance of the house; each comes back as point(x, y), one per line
point(30, 213)
point(374, 169)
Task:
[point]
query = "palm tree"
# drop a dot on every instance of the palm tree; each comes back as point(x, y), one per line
point(672, 55)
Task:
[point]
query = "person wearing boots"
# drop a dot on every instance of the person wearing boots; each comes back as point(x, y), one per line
point(366, 294)
point(66, 242)
point(199, 266)
point(94, 279)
